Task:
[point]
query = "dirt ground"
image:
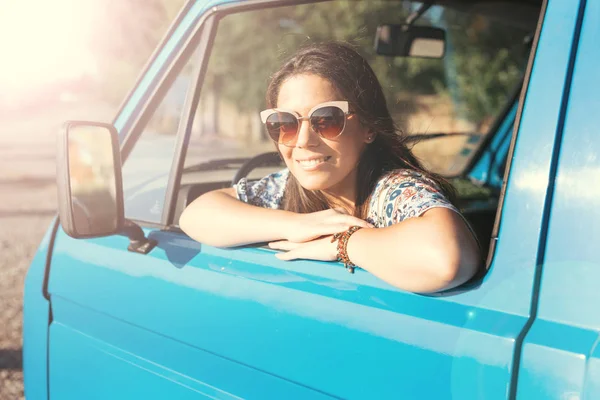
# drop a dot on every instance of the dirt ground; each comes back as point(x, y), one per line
point(26, 210)
point(27, 206)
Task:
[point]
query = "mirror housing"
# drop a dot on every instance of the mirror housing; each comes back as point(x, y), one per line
point(402, 40)
point(89, 182)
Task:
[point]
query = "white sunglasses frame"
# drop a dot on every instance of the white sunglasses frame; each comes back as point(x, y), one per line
point(342, 105)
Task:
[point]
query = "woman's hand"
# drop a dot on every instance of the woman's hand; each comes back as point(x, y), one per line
point(321, 249)
point(307, 227)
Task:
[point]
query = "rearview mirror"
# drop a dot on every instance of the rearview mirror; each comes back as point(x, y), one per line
point(90, 191)
point(410, 41)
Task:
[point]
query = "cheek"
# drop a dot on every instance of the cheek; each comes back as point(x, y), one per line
point(350, 149)
point(286, 152)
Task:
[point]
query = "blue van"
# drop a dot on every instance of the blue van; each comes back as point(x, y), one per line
point(503, 99)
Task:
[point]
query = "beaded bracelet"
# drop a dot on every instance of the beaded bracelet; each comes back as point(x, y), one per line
point(342, 254)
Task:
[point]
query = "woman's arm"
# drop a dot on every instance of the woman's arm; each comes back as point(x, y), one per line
point(219, 219)
point(433, 252)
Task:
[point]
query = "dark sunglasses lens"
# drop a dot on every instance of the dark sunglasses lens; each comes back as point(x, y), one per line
point(282, 127)
point(328, 121)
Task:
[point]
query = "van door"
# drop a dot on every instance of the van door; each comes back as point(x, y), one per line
point(189, 320)
point(561, 356)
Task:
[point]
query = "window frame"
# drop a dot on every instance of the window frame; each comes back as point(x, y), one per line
point(186, 48)
point(207, 30)
point(520, 97)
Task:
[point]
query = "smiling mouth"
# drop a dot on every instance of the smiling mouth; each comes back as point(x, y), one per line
point(313, 162)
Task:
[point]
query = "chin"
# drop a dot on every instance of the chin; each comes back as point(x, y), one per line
point(311, 181)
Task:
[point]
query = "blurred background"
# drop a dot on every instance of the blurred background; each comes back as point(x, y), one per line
point(60, 60)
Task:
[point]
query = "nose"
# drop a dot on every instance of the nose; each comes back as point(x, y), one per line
point(306, 136)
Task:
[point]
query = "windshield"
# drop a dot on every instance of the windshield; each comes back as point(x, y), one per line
point(461, 94)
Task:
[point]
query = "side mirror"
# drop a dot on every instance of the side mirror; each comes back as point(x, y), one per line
point(410, 41)
point(90, 189)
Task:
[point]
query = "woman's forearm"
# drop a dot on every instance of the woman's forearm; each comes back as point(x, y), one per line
point(218, 219)
point(420, 254)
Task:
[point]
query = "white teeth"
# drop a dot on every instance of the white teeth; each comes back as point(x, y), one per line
point(311, 163)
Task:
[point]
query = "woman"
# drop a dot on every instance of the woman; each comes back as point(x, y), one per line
point(352, 190)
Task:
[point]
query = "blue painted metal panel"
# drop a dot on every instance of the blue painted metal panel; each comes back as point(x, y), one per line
point(131, 375)
point(36, 317)
point(592, 379)
point(309, 323)
point(515, 262)
point(554, 361)
point(563, 359)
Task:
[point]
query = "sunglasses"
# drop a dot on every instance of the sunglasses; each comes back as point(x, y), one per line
point(328, 120)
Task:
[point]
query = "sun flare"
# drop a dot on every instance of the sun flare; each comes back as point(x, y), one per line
point(43, 42)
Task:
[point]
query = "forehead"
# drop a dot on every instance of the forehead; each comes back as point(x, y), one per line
point(302, 92)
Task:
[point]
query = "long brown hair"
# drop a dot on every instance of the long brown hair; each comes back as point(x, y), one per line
point(354, 79)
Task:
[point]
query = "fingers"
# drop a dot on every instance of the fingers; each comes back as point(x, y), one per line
point(323, 223)
point(291, 250)
point(301, 253)
point(294, 251)
point(349, 220)
point(283, 245)
point(341, 215)
point(335, 228)
point(287, 256)
point(322, 249)
point(327, 229)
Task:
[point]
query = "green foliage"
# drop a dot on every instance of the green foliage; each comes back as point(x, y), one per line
point(126, 37)
point(251, 46)
point(484, 83)
point(484, 63)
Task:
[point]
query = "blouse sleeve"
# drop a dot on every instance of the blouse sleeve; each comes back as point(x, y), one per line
point(266, 193)
point(406, 194)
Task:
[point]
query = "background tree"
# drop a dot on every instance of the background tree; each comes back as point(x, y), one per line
point(485, 58)
point(484, 62)
point(126, 35)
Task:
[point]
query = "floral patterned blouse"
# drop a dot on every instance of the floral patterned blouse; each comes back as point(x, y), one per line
point(398, 195)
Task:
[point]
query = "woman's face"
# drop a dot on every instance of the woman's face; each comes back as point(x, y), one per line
point(336, 159)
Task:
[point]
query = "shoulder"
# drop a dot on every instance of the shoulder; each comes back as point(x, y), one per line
point(402, 194)
point(266, 192)
point(405, 178)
